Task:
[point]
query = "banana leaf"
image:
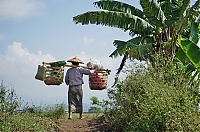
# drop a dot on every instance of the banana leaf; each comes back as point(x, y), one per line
point(191, 50)
point(58, 63)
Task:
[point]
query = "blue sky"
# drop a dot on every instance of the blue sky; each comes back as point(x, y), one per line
point(32, 31)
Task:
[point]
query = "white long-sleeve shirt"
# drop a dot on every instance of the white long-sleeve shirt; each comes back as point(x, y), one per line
point(74, 76)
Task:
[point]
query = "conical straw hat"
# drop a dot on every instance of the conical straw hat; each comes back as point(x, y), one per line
point(75, 59)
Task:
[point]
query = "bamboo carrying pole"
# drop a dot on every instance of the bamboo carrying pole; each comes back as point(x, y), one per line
point(107, 70)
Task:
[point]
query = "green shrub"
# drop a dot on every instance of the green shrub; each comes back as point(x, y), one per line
point(154, 99)
point(8, 99)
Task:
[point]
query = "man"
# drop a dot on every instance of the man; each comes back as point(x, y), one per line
point(74, 78)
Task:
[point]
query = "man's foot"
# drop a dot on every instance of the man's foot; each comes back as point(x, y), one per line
point(70, 116)
point(81, 118)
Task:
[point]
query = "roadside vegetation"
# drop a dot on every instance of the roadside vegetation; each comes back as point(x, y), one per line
point(14, 117)
point(151, 99)
point(26, 122)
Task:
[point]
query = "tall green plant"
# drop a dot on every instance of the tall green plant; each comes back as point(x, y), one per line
point(150, 99)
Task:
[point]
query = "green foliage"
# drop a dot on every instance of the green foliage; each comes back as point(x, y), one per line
point(189, 46)
point(155, 16)
point(25, 122)
point(95, 101)
point(137, 47)
point(8, 99)
point(55, 112)
point(189, 52)
point(119, 6)
point(154, 99)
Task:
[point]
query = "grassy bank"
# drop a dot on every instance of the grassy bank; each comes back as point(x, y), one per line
point(26, 122)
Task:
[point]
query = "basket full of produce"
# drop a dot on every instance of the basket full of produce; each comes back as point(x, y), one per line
point(54, 75)
point(99, 79)
point(51, 73)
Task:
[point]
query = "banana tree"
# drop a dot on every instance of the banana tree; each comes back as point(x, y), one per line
point(155, 28)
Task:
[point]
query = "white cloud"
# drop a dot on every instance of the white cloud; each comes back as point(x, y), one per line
point(18, 59)
point(18, 62)
point(87, 40)
point(11, 9)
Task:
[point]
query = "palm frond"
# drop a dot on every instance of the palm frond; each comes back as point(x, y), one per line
point(122, 46)
point(195, 33)
point(141, 47)
point(174, 10)
point(144, 40)
point(136, 47)
point(141, 51)
point(195, 12)
point(192, 15)
point(121, 20)
point(153, 12)
point(112, 5)
point(183, 8)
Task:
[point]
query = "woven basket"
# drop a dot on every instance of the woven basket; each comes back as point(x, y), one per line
point(54, 75)
point(98, 80)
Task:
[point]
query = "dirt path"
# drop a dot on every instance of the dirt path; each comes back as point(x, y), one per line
point(84, 125)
